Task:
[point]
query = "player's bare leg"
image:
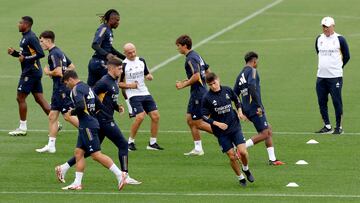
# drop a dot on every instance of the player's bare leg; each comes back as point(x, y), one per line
point(155, 117)
point(39, 98)
point(21, 100)
point(139, 118)
point(195, 132)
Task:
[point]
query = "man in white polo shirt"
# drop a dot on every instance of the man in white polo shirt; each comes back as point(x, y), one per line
point(333, 53)
point(135, 72)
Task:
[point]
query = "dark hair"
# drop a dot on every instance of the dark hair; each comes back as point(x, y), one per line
point(115, 62)
point(69, 74)
point(250, 56)
point(210, 77)
point(28, 20)
point(184, 40)
point(48, 34)
point(106, 17)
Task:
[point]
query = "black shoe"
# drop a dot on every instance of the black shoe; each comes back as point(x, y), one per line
point(324, 130)
point(154, 146)
point(249, 176)
point(132, 146)
point(131, 115)
point(243, 182)
point(338, 131)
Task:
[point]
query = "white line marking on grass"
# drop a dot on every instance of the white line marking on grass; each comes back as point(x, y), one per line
point(230, 27)
point(186, 131)
point(180, 194)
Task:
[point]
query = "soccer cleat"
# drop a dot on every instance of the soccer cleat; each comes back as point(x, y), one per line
point(249, 176)
point(46, 148)
point(324, 130)
point(132, 146)
point(131, 115)
point(18, 132)
point(194, 152)
point(60, 174)
point(132, 181)
point(122, 181)
point(59, 127)
point(276, 163)
point(73, 186)
point(338, 131)
point(243, 182)
point(154, 146)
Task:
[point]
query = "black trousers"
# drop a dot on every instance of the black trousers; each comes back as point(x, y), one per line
point(332, 86)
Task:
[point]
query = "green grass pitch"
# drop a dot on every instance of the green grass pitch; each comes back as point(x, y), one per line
point(282, 32)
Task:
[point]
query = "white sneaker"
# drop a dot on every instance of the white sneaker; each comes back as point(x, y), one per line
point(194, 152)
point(132, 181)
point(73, 186)
point(46, 148)
point(122, 181)
point(60, 174)
point(18, 132)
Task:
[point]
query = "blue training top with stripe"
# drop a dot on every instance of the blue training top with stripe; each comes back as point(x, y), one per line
point(217, 106)
point(57, 58)
point(108, 92)
point(195, 64)
point(85, 102)
point(247, 86)
point(31, 50)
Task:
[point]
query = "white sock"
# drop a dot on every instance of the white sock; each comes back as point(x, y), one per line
point(131, 140)
point(245, 168)
point(328, 126)
point(198, 145)
point(23, 125)
point(152, 140)
point(116, 171)
point(78, 178)
point(65, 167)
point(128, 106)
point(52, 141)
point(249, 143)
point(240, 177)
point(271, 153)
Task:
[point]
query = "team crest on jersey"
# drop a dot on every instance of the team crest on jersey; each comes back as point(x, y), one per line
point(113, 88)
point(196, 101)
point(26, 79)
point(227, 96)
point(214, 102)
point(22, 42)
point(112, 124)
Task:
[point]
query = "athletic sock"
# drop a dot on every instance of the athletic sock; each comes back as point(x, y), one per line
point(131, 140)
point(78, 178)
point(240, 177)
point(198, 145)
point(245, 168)
point(23, 125)
point(52, 141)
point(152, 140)
point(249, 143)
point(328, 126)
point(271, 153)
point(65, 167)
point(116, 171)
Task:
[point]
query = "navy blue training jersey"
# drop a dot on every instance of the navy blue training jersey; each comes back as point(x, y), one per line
point(57, 58)
point(247, 86)
point(102, 43)
point(108, 91)
point(195, 64)
point(84, 101)
point(217, 106)
point(30, 48)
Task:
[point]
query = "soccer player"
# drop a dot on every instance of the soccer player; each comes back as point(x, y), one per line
point(86, 104)
point(196, 69)
point(218, 112)
point(60, 100)
point(333, 53)
point(142, 103)
point(102, 44)
point(30, 79)
point(107, 90)
point(247, 86)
